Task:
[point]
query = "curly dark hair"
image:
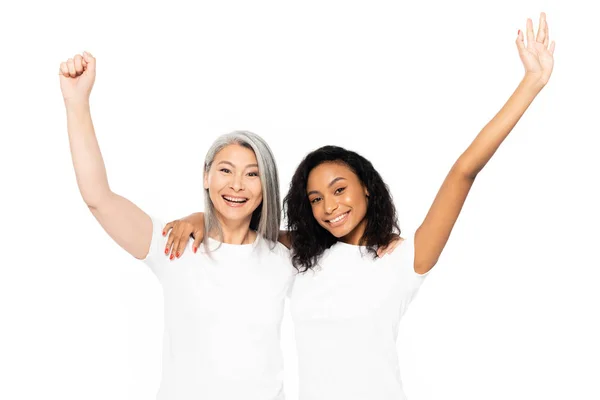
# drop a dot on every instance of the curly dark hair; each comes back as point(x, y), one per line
point(309, 240)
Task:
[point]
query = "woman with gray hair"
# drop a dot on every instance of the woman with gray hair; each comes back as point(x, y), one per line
point(238, 285)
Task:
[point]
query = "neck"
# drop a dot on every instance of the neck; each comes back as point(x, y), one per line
point(356, 234)
point(235, 232)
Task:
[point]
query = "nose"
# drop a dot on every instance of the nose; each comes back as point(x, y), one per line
point(330, 204)
point(237, 183)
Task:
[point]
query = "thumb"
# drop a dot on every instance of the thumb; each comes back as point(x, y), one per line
point(90, 61)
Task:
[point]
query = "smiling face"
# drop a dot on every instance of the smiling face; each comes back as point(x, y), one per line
point(338, 200)
point(233, 184)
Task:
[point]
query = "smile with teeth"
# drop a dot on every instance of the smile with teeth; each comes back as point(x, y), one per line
point(339, 219)
point(235, 200)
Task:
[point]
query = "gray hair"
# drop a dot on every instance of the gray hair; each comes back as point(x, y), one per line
point(266, 218)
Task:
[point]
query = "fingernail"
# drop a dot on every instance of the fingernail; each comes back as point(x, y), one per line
point(519, 33)
point(164, 233)
point(177, 254)
point(170, 258)
point(195, 248)
point(167, 250)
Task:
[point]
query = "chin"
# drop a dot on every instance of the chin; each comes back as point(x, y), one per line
point(234, 215)
point(339, 233)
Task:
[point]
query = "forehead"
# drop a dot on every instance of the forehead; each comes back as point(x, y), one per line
point(236, 154)
point(322, 175)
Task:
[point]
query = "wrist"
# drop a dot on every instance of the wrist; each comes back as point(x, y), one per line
point(77, 105)
point(533, 82)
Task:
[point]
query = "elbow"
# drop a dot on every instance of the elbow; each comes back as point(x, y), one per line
point(424, 267)
point(91, 201)
point(466, 170)
point(95, 201)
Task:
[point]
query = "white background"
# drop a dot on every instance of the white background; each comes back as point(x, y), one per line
point(509, 312)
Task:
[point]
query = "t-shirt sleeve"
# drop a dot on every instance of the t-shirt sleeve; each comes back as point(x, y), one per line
point(409, 280)
point(156, 259)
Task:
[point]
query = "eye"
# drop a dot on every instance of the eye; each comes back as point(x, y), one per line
point(315, 200)
point(225, 170)
point(339, 190)
point(253, 174)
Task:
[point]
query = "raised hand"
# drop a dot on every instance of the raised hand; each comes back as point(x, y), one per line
point(537, 55)
point(77, 76)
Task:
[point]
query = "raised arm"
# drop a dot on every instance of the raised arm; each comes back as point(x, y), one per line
point(128, 225)
point(432, 235)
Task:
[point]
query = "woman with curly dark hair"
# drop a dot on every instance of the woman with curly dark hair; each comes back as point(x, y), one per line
point(346, 302)
point(373, 225)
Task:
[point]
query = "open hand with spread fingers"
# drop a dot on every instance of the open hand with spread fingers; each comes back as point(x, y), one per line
point(538, 54)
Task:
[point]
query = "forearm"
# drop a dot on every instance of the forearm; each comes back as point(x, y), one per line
point(87, 158)
point(477, 155)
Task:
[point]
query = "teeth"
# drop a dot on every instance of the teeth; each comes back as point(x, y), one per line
point(234, 200)
point(338, 218)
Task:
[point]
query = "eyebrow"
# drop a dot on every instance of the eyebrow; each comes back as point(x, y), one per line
point(229, 163)
point(333, 182)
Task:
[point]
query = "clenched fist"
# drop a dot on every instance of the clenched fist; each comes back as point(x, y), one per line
point(77, 77)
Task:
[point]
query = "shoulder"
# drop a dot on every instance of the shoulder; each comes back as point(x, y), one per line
point(401, 248)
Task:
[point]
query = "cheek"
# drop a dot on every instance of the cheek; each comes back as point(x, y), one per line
point(213, 181)
point(256, 189)
point(315, 211)
point(358, 202)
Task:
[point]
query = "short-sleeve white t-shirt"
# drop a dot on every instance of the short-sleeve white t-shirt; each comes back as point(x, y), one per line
point(346, 314)
point(222, 318)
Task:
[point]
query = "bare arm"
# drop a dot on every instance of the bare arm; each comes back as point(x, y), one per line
point(127, 224)
point(433, 234)
point(181, 230)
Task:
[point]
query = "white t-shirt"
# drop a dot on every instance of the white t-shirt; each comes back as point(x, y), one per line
point(346, 314)
point(222, 319)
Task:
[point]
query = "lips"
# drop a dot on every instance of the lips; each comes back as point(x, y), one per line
point(234, 201)
point(338, 220)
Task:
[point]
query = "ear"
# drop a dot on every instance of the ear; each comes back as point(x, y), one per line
point(366, 192)
point(205, 180)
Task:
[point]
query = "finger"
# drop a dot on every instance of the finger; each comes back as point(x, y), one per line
point(181, 235)
point(552, 47)
point(547, 35)
point(520, 41)
point(197, 241)
point(78, 64)
point(184, 237)
point(181, 246)
point(90, 60)
point(167, 228)
point(383, 250)
point(71, 66)
point(529, 33)
point(84, 63)
point(64, 69)
point(169, 244)
point(541, 33)
point(177, 233)
point(390, 249)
